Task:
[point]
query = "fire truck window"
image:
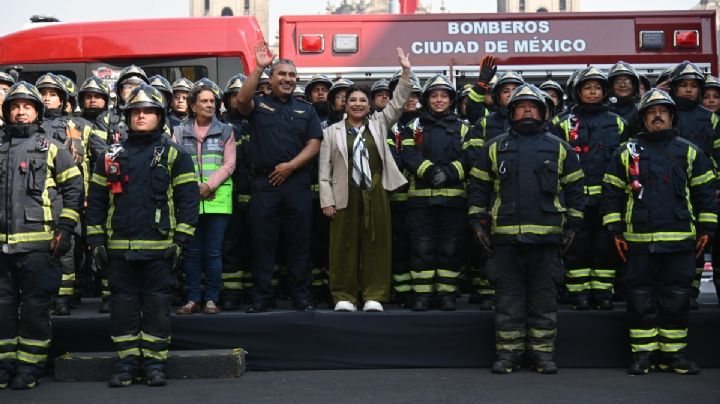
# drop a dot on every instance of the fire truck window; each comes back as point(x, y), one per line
point(172, 73)
point(32, 76)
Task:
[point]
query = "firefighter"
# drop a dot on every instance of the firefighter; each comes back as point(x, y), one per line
point(659, 204)
point(556, 92)
point(463, 101)
point(594, 132)
point(336, 100)
point(662, 81)
point(111, 122)
point(624, 89)
point(526, 202)
point(142, 211)
point(711, 94)
point(71, 90)
point(299, 93)
point(316, 91)
point(380, 94)
point(162, 85)
point(6, 81)
point(477, 107)
point(62, 128)
point(237, 246)
point(263, 86)
point(432, 151)
point(179, 110)
point(496, 123)
point(699, 126)
point(644, 84)
point(33, 239)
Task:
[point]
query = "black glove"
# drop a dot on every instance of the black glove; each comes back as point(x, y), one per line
point(487, 69)
point(567, 240)
point(61, 243)
point(174, 255)
point(439, 177)
point(100, 255)
point(481, 235)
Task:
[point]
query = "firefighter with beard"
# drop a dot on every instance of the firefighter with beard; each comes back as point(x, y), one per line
point(112, 121)
point(316, 92)
point(179, 109)
point(237, 246)
point(142, 211)
point(595, 133)
point(34, 169)
point(697, 125)
point(433, 153)
point(526, 201)
point(659, 204)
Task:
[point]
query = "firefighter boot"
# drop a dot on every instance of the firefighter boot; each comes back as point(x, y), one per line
point(447, 302)
point(5, 378)
point(581, 302)
point(155, 378)
point(104, 305)
point(61, 306)
point(120, 379)
point(603, 303)
point(641, 364)
point(487, 303)
point(507, 362)
point(542, 362)
point(23, 381)
point(676, 362)
point(422, 303)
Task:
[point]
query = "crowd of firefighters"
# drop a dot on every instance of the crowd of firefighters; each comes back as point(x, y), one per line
point(603, 188)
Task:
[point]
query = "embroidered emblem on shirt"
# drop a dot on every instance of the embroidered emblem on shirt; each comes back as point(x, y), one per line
point(269, 108)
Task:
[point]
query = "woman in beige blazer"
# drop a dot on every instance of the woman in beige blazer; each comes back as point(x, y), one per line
point(356, 169)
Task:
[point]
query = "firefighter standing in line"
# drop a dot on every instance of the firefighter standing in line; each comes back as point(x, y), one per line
point(659, 204)
point(380, 95)
point(496, 123)
point(179, 109)
point(112, 121)
point(476, 106)
point(433, 153)
point(6, 81)
point(316, 91)
point(555, 91)
point(33, 168)
point(526, 200)
point(595, 133)
point(624, 89)
point(142, 211)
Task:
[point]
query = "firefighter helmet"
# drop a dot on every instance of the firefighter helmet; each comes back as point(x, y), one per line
point(299, 92)
point(23, 91)
point(655, 97)
point(182, 84)
point(6, 78)
point(587, 74)
point(686, 71)
point(130, 72)
point(570, 87)
point(70, 89)
point(380, 85)
point(711, 82)
point(52, 81)
point(338, 85)
point(232, 87)
point(162, 85)
point(396, 78)
point(316, 80)
point(145, 96)
point(645, 82)
point(439, 82)
point(664, 75)
point(506, 78)
point(555, 86)
point(624, 69)
point(527, 92)
point(94, 85)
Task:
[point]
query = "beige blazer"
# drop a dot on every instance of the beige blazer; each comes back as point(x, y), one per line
point(333, 166)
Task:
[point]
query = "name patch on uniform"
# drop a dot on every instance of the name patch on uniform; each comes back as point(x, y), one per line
point(298, 111)
point(269, 108)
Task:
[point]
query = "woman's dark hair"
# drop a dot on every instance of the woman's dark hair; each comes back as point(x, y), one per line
point(193, 95)
point(357, 87)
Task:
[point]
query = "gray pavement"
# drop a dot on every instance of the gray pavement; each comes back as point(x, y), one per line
point(396, 386)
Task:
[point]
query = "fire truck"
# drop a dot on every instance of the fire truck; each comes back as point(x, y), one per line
point(217, 48)
point(538, 45)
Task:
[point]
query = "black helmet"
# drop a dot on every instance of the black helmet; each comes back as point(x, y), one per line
point(645, 82)
point(654, 97)
point(686, 71)
point(711, 82)
point(265, 76)
point(132, 71)
point(527, 92)
point(554, 85)
point(182, 84)
point(163, 85)
point(506, 78)
point(570, 86)
point(94, 85)
point(379, 85)
point(52, 81)
point(23, 91)
point(145, 96)
point(338, 85)
point(587, 74)
point(396, 78)
point(441, 82)
point(549, 103)
point(664, 75)
point(233, 86)
point(6, 78)
point(70, 89)
point(624, 69)
point(315, 80)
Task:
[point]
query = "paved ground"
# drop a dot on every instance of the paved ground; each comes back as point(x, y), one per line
point(397, 386)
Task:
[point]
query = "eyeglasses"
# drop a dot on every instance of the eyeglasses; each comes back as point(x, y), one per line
point(623, 80)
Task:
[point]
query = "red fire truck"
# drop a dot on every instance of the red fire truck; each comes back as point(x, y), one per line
point(539, 45)
point(189, 47)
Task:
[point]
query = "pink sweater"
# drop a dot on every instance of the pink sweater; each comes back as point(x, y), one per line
point(228, 165)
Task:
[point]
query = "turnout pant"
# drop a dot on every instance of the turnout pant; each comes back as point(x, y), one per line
point(437, 234)
point(140, 297)
point(67, 284)
point(27, 283)
point(526, 297)
point(658, 290)
point(401, 280)
point(320, 239)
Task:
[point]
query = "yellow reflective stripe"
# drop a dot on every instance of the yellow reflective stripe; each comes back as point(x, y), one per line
point(408, 142)
point(445, 273)
point(66, 291)
point(403, 288)
point(597, 285)
point(70, 214)
point(243, 198)
point(672, 347)
point(125, 338)
point(707, 217)
point(67, 174)
point(611, 218)
point(95, 230)
point(603, 273)
point(673, 334)
point(511, 334)
point(572, 177)
point(184, 178)
point(621, 125)
point(152, 338)
point(474, 210)
point(8, 356)
point(714, 120)
point(423, 167)
point(516, 346)
point(473, 95)
point(703, 179)
point(232, 285)
point(160, 355)
point(402, 277)
point(33, 342)
point(232, 275)
point(139, 244)
point(578, 273)
point(99, 179)
point(578, 287)
point(480, 174)
point(9, 341)
point(613, 180)
point(659, 236)
point(390, 142)
point(593, 190)
point(459, 168)
point(30, 358)
point(643, 333)
point(68, 277)
point(541, 333)
point(527, 228)
point(185, 228)
point(541, 347)
point(575, 213)
point(128, 352)
point(315, 187)
point(27, 237)
point(445, 288)
point(651, 346)
point(473, 143)
point(422, 288)
point(422, 274)
point(449, 192)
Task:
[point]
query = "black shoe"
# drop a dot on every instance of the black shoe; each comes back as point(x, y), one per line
point(104, 305)
point(23, 381)
point(421, 304)
point(230, 305)
point(258, 308)
point(304, 305)
point(447, 303)
point(155, 378)
point(120, 379)
point(5, 378)
point(603, 303)
point(545, 367)
point(679, 364)
point(474, 298)
point(487, 304)
point(693, 305)
point(581, 302)
point(61, 306)
point(75, 301)
point(641, 364)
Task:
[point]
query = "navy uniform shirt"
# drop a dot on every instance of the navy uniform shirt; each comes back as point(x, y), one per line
point(279, 131)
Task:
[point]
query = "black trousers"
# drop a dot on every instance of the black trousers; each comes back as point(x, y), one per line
point(27, 282)
point(526, 278)
point(141, 292)
point(401, 280)
point(658, 290)
point(236, 254)
point(287, 207)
